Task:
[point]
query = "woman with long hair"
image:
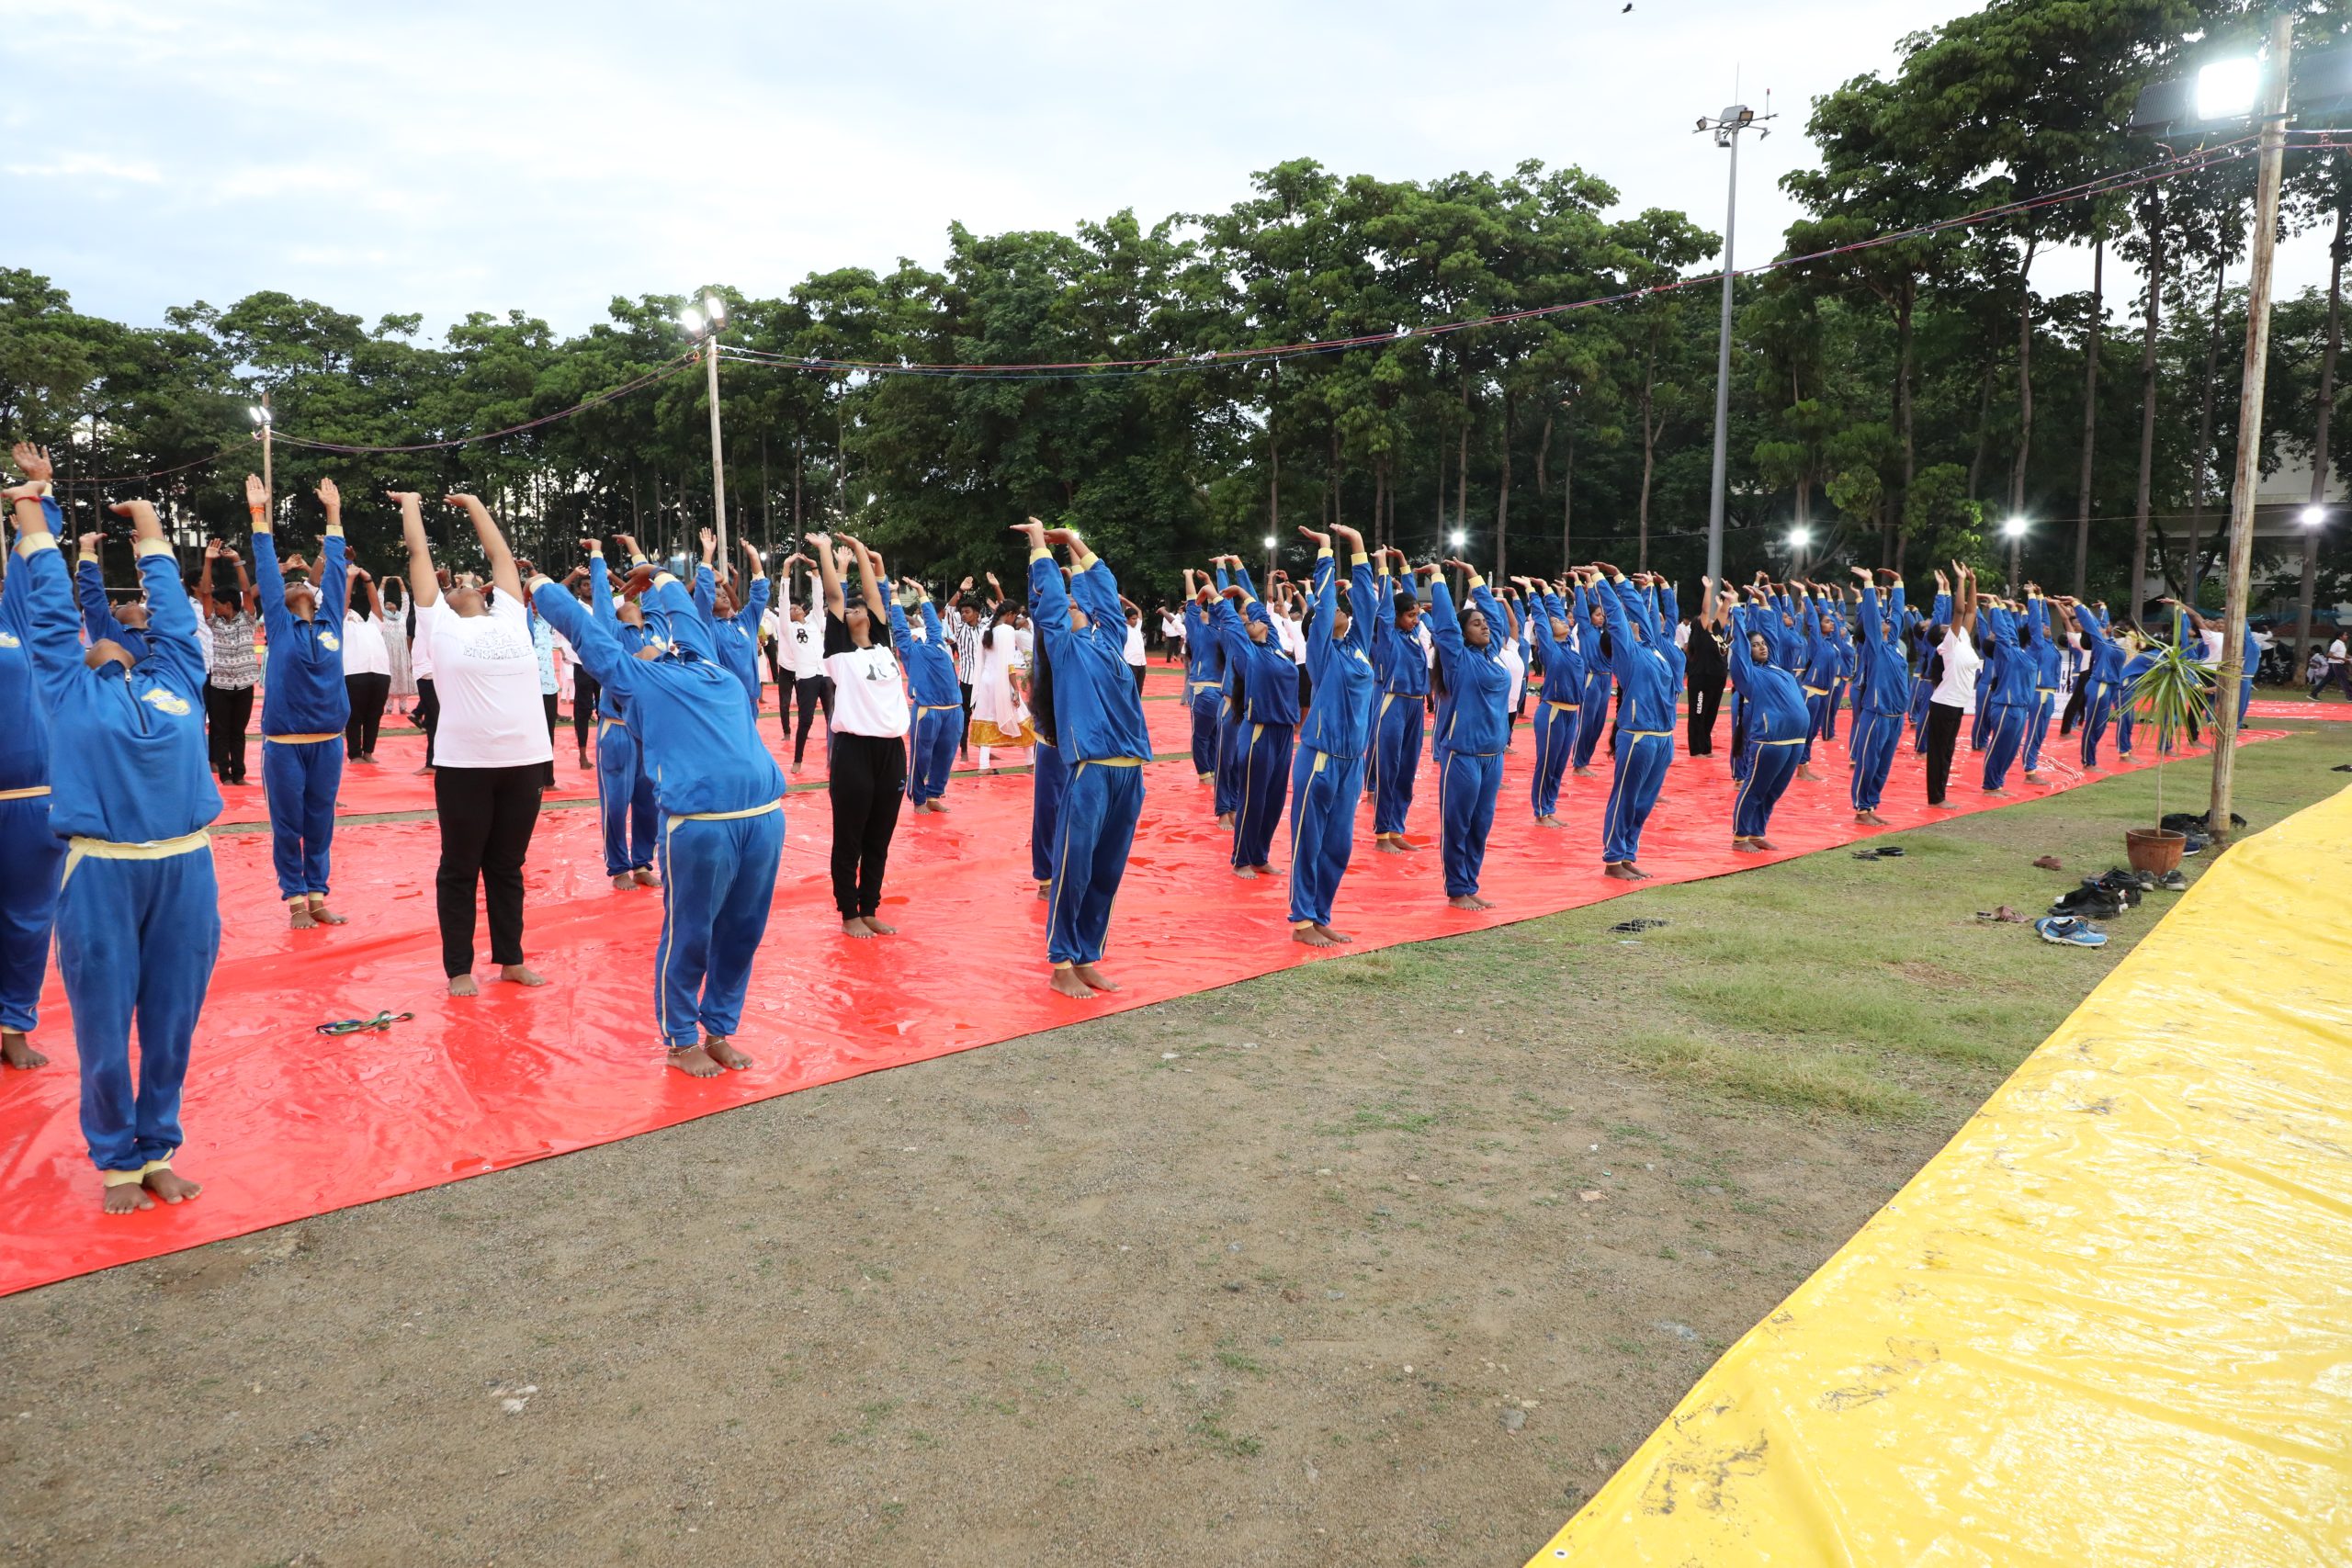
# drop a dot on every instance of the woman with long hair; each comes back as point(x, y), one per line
point(871, 715)
point(1958, 662)
point(999, 715)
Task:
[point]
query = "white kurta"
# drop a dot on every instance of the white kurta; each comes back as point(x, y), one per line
point(999, 716)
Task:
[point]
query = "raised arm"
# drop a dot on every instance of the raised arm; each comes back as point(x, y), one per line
point(502, 574)
point(334, 581)
point(39, 601)
point(869, 583)
point(423, 589)
point(1048, 600)
point(90, 589)
point(589, 632)
point(822, 547)
point(171, 619)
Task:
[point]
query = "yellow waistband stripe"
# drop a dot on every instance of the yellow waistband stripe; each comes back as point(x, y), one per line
point(301, 739)
point(30, 792)
point(1564, 707)
point(1115, 762)
point(78, 850)
point(727, 815)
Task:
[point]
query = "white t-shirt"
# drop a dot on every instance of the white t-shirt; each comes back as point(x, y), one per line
point(1135, 644)
point(2212, 638)
point(420, 648)
point(1294, 640)
point(2336, 653)
point(364, 649)
point(486, 673)
point(869, 689)
point(1957, 688)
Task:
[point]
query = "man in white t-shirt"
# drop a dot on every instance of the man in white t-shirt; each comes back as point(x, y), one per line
point(2339, 666)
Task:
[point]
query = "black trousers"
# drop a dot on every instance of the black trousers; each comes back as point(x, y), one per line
point(368, 694)
point(1943, 735)
point(869, 774)
point(2076, 702)
point(428, 713)
point(964, 736)
point(226, 713)
point(807, 693)
point(487, 816)
point(584, 693)
point(1706, 702)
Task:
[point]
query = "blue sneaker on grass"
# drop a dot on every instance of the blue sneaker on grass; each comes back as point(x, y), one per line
point(2067, 930)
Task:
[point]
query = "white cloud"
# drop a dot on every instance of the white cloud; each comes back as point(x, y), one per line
point(89, 166)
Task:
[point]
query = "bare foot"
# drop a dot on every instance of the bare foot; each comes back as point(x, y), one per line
point(324, 915)
point(645, 878)
point(1583, 773)
point(17, 1052)
point(297, 915)
point(1094, 978)
point(622, 883)
point(796, 770)
point(1747, 846)
point(939, 809)
point(878, 928)
point(1467, 901)
point(1045, 890)
point(463, 985)
point(1547, 822)
point(1225, 821)
point(1311, 936)
point(127, 1198)
point(425, 772)
point(1869, 819)
point(2037, 778)
point(2003, 793)
point(1807, 774)
point(1245, 871)
point(1762, 842)
point(856, 928)
point(1262, 869)
point(1388, 846)
point(522, 974)
point(584, 763)
point(694, 1062)
point(171, 1185)
point(1622, 870)
point(1335, 936)
point(1066, 983)
point(725, 1054)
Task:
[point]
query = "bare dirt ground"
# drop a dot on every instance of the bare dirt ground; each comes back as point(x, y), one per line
point(1387, 1261)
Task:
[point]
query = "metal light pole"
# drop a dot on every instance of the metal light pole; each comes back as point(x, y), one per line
point(707, 322)
point(2249, 458)
point(1726, 127)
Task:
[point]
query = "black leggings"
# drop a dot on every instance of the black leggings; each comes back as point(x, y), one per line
point(869, 774)
point(428, 713)
point(584, 693)
point(226, 713)
point(487, 814)
point(368, 694)
point(1706, 702)
point(1943, 735)
point(807, 691)
point(2076, 702)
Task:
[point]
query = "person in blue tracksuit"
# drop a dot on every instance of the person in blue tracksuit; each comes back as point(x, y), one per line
point(1403, 671)
point(1646, 668)
point(2139, 657)
point(1823, 662)
point(1269, 680)
point(1780, 714)
point(2049, 671)
point(2249, 656)
point(1233, 717)
point(304, 707)
point(1327, 772)
point(1049, 779)
point(625, 803)
point(938, 701)
point(1098, 719)
point(138, 911)
point(2105, 676)
point(734, 623)
point(721, 795)
point(1592, 703)
point(1471, 730)
point(1203, 673)
point(1849, 664)
point(38, 650)
point(1881, 694)
point(1555, 722)
point(2011, 691)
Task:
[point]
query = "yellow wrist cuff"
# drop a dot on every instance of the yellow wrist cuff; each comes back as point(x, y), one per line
point(142, 549)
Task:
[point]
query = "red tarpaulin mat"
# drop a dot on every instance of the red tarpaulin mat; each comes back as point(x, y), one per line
point(2287, 708)
point(283, 1122)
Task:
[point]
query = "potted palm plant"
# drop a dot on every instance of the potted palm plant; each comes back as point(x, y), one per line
point(2171, 695)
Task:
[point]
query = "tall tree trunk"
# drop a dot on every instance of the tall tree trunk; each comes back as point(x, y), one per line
point(1502, 498)
point(2025, 378)
point(1569, 495)
point(1904, 302)
point(2090, 414)
point(661, 520)
point(1543, 450)
point(2189, 572)
point(2320, 428)
point(1379, 499)
point(1461, 471)
point(2152, 219)
point(799, 466)
point(1335, 474)
point(1984, 429)
point(1649, 454)
point(1273, 475)
point(767, 498)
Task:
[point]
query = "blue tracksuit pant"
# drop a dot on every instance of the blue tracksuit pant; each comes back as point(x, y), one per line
point(1775, 765)
point(1741, 750)
point(2096, 712)
point(136, 940)
point(1592, 715)
point(31, 859)
point(624, 801)
point(1642, 759)
point(1829, 715)
point(1324, 790)
point(1876, 734)
point(2245, 699)
point(302, 781)
point(934, 752)
point(1555, 741)
point(2005, 740)
point(1099, 813)
point(1232, 757)
point(1207, 703)
point(1397, 737)
point(1467, 784)
point(1265, 782)
point(1051, 778)
point(2037, 729)
point(717, 880)
point(1923, 694)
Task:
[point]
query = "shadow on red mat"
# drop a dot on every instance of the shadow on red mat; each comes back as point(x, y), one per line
point(284, 1123)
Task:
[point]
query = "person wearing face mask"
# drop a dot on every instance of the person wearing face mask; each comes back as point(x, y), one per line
point(305, 706)
point(139, 908)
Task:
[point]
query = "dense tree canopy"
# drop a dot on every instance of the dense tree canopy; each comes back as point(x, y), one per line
point(1891, 400)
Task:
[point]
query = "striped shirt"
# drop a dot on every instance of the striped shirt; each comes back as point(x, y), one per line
point(236, 666)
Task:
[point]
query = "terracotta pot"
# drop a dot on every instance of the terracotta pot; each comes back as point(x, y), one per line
point(2156, 849)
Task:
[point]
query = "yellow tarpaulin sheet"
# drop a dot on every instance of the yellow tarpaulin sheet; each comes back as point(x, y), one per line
point(2110, 1322)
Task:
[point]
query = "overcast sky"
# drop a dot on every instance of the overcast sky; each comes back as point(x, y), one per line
point(445, 158)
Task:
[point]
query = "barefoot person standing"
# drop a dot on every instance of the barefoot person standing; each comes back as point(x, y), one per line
point(492, 750)
point(869, 735)
point(305, 706)
point(139, 916)
point(1098, 720)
